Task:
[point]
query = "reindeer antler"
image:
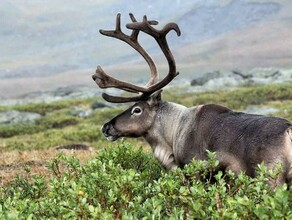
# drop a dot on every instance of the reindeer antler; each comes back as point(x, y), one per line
point(105, 81)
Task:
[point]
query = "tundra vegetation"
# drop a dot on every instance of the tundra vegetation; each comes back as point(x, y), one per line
point(123, 180)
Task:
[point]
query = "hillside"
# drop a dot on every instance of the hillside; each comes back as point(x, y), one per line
point(96, 179)
point(54, 44)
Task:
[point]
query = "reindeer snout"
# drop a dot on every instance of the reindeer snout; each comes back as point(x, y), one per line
point(105, 129)
point(94, 77)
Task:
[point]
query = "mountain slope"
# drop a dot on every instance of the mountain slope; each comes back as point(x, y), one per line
point(40, 40)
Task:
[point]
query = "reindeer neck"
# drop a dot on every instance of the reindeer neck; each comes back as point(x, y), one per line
point(166, 125)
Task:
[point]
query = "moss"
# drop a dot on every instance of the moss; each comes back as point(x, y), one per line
point(284, 109)
point(45, 108)
point(17, 129)
point(45, 123)
point(58, 127)
point(57, 121)
point(236, 99)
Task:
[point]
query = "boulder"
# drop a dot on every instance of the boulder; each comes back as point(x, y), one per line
point(265, 110)
point(99, 104)
point(265, 73)
point(80, 112)
point(206, 78)
point(16, 117)
point(243, 75)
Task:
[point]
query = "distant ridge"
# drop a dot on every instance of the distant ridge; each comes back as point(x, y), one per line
point(41, 40)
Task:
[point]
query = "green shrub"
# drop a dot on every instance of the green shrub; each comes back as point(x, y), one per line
point(126, 183)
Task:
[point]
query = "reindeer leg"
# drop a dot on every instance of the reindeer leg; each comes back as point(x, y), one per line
point(230, 162)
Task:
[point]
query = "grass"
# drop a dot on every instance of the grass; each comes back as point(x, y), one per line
point(58, 127)
point(237, 99)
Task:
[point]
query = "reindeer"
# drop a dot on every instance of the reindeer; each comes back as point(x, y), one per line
point(178, 134)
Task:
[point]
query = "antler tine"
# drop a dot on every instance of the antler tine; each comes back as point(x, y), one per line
point(160, 37)
point(106, 81)
point(120, 99)
point(162, 42)
point(112, 33)
point(135, 33)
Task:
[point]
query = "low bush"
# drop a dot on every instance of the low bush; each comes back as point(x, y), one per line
point(123, 182)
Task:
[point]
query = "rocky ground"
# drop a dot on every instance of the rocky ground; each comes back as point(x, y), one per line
point(221, 80)
point(209, 81)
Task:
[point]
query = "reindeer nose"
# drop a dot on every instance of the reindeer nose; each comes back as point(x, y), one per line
point(94, 77)
point(105, 129)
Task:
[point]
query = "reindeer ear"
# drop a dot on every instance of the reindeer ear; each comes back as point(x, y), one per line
point(155, 99)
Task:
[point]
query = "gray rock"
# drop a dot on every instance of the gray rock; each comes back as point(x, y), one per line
point(206, 78)
point(265, 73)
point(266, 110)
point(16, 117)
point(227, 80)
point(222, 82)
point(269, 75)
point(70, 92)
point(80, 112)
point(243, 75)
point(98, 105)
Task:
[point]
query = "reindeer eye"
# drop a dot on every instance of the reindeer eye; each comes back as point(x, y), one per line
point(136, 111)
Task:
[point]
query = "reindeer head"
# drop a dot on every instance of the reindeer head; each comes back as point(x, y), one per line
point(136, 121)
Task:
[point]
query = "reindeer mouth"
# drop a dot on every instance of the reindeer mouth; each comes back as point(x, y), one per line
point(110, 132)
point(111, 138)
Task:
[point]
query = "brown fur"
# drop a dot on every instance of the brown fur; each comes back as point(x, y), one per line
point(178, 134)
